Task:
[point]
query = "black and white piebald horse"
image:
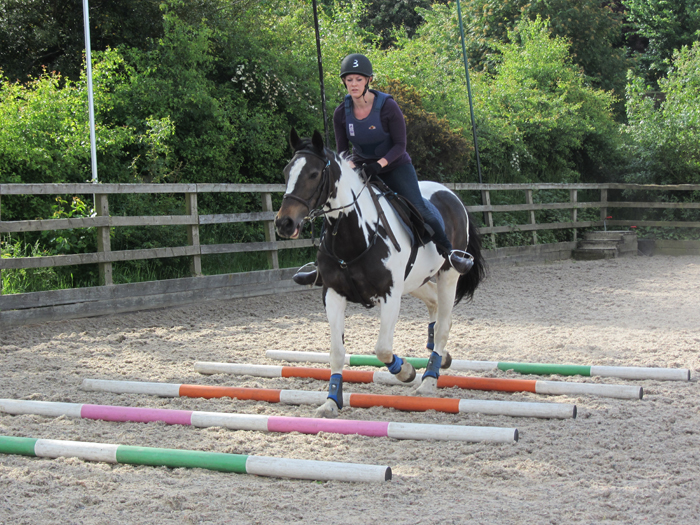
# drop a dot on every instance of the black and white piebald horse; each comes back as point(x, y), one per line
point(360, 261)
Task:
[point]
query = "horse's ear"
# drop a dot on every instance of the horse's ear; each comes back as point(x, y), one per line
point(294, 139)
point(317, 141)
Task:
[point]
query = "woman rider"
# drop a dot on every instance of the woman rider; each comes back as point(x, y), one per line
point(373, 124)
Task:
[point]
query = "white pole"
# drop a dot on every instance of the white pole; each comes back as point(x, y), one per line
point(316, 470)
point(564, 388)
point(132, 387)
point(91, 102)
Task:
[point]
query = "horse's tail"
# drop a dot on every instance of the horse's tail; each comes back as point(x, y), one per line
point(469, 282)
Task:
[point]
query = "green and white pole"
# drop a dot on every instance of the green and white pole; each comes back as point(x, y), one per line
point(176, 458)
point(623, 372)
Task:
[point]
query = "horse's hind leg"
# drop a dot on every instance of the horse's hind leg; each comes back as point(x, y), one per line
point(428, 294)
point(335, 311)
point(402, 369)
point(446, 291)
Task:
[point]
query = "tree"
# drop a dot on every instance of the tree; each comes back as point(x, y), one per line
point(667, 25)
point(38, 35)
point(538, 118)
point(383, 17)
point(592, 29)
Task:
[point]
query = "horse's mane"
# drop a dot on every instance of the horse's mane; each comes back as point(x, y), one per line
point(306, 144)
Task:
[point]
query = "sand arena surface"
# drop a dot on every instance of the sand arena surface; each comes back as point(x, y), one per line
point(620, 461)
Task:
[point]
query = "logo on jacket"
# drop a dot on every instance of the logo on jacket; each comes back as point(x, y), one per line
point(351, 128)
point(372, 127)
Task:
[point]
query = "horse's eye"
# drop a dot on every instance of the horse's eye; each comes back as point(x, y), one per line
point(314, 175)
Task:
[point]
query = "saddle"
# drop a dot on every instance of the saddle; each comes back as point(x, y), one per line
point(420, 232)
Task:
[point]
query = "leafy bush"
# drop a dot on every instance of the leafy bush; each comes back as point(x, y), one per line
point(540, 114)
point(438, 152)
point(44, 129)
point(74, 240)
point(662, 142)
point(537, 117)
point(24, 280)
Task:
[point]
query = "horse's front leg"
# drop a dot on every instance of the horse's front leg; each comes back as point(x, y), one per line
point(335, 311)
point(446, 290)
point(384, 349)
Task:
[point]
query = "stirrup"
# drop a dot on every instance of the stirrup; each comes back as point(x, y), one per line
point(461, 263)
point(308, 277)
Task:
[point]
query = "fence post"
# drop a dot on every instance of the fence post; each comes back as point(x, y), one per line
point(193, 233)
point(528, 199)
point(104, 244)
point(573, 197)
point(603, 200)
point(269, 227)
point(486, 201)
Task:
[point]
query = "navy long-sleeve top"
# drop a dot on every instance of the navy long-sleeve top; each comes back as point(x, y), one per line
point(392, 122)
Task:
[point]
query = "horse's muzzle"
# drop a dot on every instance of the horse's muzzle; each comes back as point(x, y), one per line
point(287, 227)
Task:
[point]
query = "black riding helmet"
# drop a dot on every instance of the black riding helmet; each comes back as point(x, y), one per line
point(356, 64)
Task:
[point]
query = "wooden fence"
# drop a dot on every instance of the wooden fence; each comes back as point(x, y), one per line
point(109, 298)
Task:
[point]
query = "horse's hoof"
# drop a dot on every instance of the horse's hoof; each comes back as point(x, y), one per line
point(446, 360)
point(327, 410)
point(407, 372)
point(428, 387)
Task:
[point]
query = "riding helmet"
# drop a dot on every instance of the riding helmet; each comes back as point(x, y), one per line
point(356, 64)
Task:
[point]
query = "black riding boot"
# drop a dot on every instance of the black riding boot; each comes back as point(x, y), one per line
point(308, 277)
point(458, 259)
point(459, 262)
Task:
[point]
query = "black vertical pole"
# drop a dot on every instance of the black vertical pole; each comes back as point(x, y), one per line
point(320, 75)
point(469, 91)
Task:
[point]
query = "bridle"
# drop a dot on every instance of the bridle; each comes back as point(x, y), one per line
point(323, 187)
point(321, 195)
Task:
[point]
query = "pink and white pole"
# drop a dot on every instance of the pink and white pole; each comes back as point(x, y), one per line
point(304, 425)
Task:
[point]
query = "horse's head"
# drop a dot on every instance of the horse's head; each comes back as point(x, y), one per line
point(308, 182)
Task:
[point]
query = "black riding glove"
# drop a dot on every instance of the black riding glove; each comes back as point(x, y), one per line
point(372, 169)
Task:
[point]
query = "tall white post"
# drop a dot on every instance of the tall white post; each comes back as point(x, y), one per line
point(91, 104)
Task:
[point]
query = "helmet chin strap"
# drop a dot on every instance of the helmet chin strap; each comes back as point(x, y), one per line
point(366, 88)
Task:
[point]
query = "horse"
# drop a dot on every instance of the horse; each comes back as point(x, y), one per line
point(360, 260)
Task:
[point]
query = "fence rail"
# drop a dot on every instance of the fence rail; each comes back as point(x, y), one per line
point(274, 279)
